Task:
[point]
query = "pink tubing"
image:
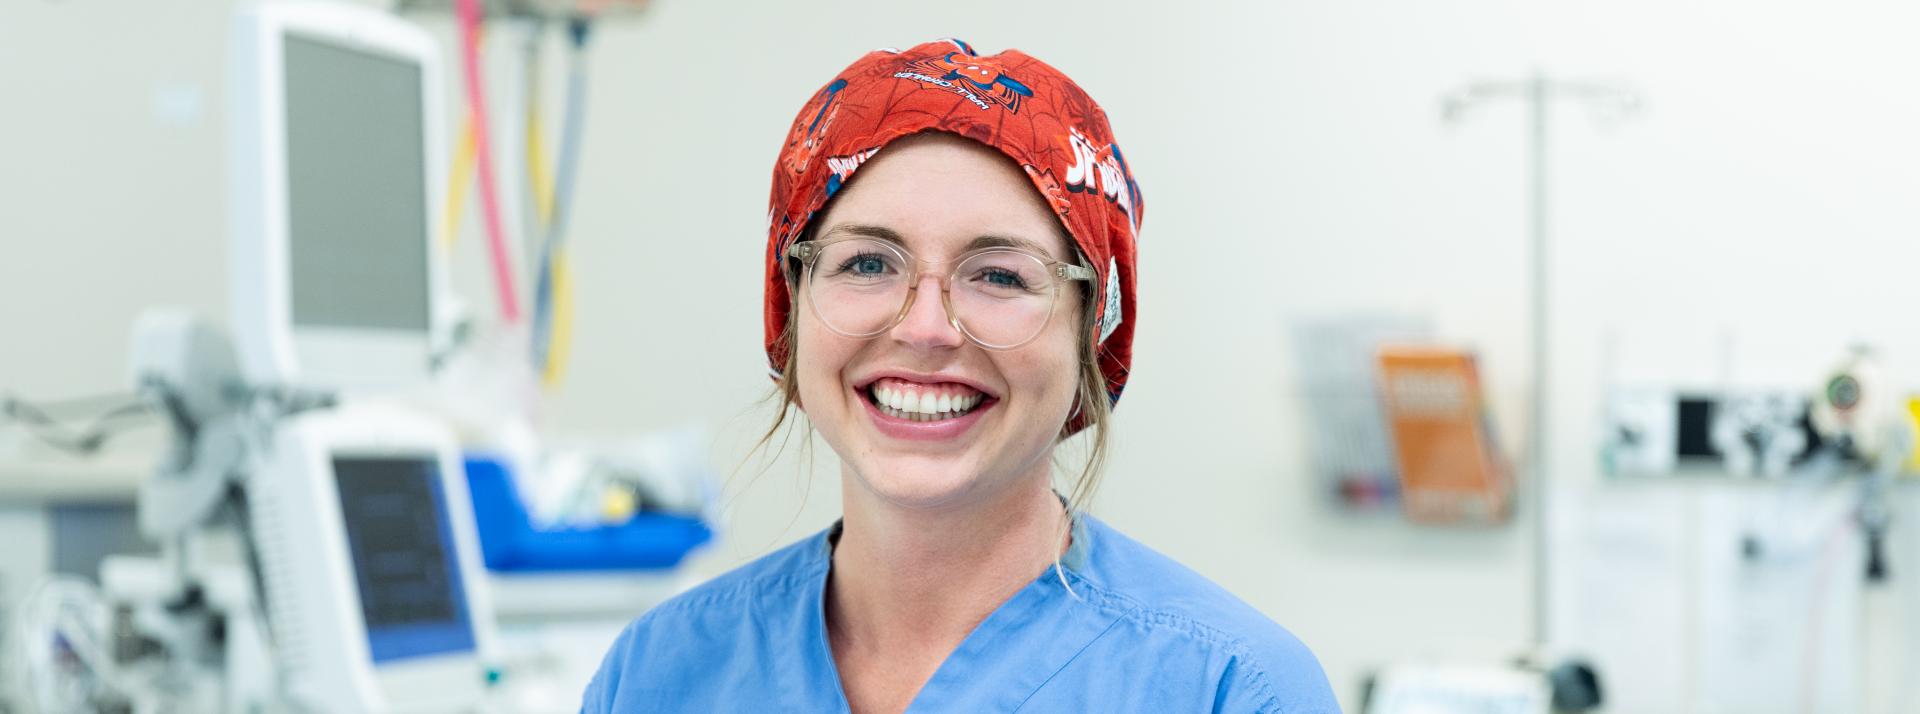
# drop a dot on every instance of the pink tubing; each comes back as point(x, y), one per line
point(469, 11)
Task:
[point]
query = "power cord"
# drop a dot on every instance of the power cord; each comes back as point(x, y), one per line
point(127, 412)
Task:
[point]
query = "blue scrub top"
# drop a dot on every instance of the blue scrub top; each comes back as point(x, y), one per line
point(1138, 633)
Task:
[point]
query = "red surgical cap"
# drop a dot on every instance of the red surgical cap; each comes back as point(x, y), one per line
point(1008, 101)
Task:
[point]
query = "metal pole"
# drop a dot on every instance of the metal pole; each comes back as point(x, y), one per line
point(1537, 471)
point(1537, 90)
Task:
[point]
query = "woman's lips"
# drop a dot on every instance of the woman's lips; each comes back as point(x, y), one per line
point(916, 426)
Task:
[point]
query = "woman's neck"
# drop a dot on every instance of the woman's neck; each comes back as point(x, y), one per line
point(922, 578)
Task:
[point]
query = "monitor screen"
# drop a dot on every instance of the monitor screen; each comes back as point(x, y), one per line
point(402, 548)
point(356, 188)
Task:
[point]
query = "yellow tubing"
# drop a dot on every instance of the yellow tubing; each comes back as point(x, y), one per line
point(561, 340)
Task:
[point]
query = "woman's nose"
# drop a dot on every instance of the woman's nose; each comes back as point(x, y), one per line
point(926, 324)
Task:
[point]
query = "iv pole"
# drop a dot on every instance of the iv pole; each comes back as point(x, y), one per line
point(1537, 90)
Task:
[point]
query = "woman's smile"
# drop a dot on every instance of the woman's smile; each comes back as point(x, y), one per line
point(923, 409)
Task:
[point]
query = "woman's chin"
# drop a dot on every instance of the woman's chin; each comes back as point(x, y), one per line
point(917, 483)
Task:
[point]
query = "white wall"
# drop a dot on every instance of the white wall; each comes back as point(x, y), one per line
point(1293, 164)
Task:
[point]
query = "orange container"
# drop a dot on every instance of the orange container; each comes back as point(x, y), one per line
point(1450, 468)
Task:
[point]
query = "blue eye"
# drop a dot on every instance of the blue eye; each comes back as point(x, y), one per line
point(864, 264)
point(1005, 278)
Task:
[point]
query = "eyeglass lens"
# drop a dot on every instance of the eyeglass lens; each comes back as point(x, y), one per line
point(1001, 297)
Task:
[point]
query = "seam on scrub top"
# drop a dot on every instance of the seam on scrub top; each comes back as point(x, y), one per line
point(1070, 660)
point(1229, 645)
point(761, 583)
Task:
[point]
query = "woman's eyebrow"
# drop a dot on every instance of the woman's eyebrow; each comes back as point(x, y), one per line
point(868, 231)
point(993, 241)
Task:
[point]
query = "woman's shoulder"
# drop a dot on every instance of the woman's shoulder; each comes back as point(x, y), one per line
point(691, 636)
point(1159, 598)
point(706, 616)
point(777, 574)
point(1160, 587)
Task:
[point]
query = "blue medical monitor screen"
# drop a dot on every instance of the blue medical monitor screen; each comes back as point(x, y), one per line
point(356, 188)
point(404, 562)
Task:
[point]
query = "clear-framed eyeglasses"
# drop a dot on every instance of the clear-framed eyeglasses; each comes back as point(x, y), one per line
point(998, 297)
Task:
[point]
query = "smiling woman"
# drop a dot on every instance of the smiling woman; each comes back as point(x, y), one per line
point(950, 269)
point(936, 195)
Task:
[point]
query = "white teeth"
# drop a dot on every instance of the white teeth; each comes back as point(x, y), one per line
point(916, 405)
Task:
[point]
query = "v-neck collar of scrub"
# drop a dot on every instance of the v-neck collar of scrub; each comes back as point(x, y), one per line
point(1068, 619)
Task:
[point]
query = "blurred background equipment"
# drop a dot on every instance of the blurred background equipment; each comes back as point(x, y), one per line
point(534, 9)
point(321, 547)
point(313, 554)
point(1641, 432)
point(1760, 434)
point(1451, 468)
point(1415, 689)
point(377, 493)
point(1352, 451)
point(1852, 410)
point(1539, 92)
point(328, 208)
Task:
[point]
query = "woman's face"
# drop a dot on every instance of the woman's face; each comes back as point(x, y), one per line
point(938, 195)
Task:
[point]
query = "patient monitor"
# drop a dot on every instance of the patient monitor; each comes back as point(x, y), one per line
point(335, 153)
point(369, 563)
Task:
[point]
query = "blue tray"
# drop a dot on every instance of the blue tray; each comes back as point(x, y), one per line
point(510, 542)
